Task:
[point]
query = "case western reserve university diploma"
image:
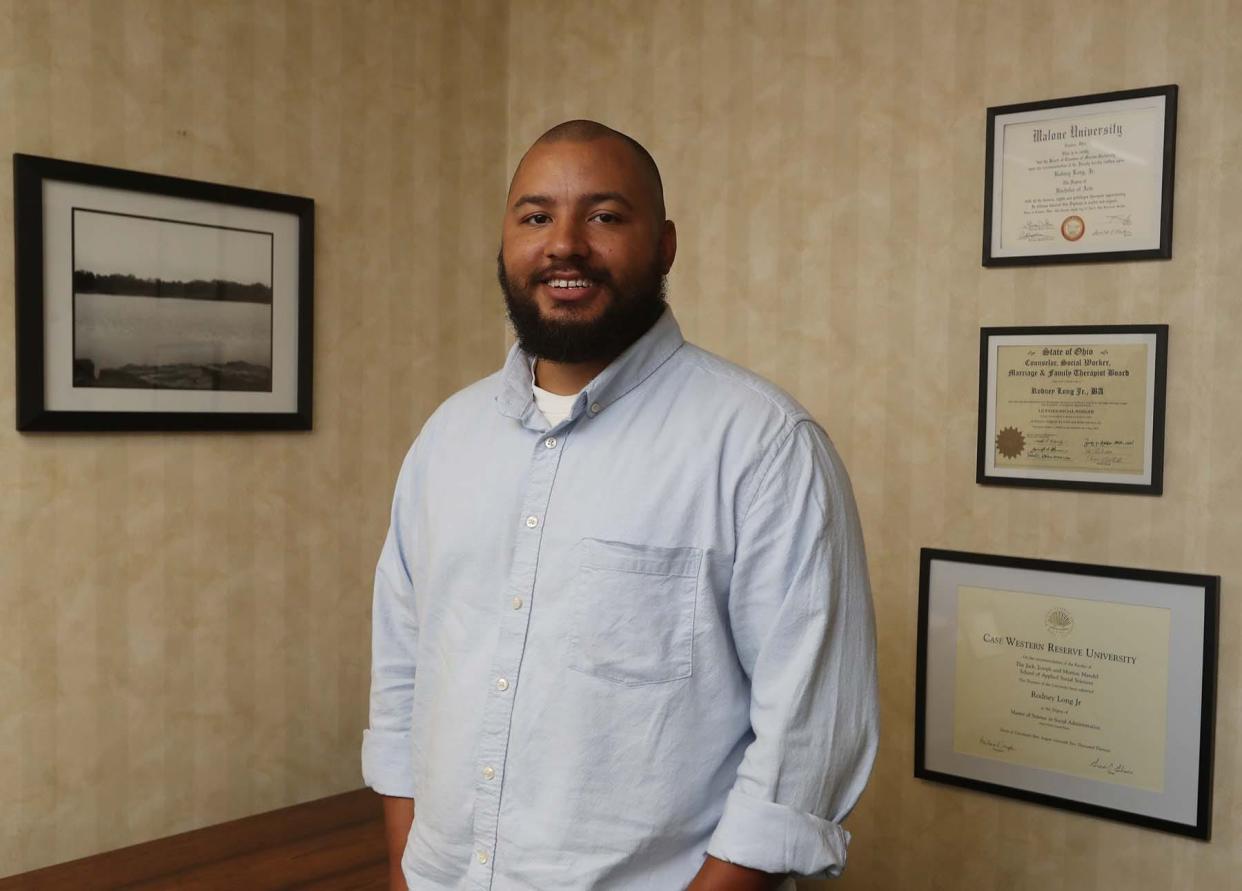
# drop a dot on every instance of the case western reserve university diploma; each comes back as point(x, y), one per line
point(1072, 407)
point(1063, 684)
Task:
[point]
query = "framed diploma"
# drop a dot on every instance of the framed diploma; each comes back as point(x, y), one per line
point(1083, 179)
point(1073, 407)
point(1090, 688)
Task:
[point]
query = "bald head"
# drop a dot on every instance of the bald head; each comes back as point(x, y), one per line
point(589, 131)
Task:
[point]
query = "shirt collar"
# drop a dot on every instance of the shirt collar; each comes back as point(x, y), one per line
point(626, 372)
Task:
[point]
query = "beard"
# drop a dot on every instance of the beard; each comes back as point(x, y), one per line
point(627, 316)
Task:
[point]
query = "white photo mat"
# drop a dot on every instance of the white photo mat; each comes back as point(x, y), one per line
point(60, 200)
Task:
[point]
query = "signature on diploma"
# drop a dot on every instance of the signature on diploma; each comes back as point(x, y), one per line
point(1037, 230)
point(1112, 768)
point(1105, 452)
point(1114, 231)
point(995, 745)
point(1047, 447)
point(1119, 219)
point(1047, 453)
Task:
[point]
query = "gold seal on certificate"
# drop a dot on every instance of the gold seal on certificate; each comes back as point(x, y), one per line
point(1086, 178)
point(1010, 443)
point(1073, 227)
point(1072, 407)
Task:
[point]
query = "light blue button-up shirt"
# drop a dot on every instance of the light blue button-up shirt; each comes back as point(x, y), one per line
point(605, 649)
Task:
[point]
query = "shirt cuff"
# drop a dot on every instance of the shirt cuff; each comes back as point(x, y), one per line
point(775, 838)
point(388, 763)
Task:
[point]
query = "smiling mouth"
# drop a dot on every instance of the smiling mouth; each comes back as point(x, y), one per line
point(571, 289)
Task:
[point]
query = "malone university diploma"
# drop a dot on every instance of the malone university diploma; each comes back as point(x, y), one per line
point(1081, 182)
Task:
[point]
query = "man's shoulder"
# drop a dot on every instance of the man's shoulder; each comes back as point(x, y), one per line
point(463, 407)
point(730, 386)
point(470, 397)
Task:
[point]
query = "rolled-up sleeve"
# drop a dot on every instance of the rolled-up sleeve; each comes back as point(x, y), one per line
point(803, 624)
point(387, 754)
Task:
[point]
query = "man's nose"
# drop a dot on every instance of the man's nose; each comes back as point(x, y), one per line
point(566, 239)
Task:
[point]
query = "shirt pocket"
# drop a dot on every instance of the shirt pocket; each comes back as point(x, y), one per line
point(633, 611)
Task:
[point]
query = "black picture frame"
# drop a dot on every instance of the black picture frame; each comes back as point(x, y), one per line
point(1068, 252)
point(65, 211)
point(1184, 805)
point(1149, 480)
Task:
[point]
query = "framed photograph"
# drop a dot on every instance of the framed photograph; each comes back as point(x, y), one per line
point(150, 302)
point(1073, 407)
point(1084, 687)
point(1083, 179)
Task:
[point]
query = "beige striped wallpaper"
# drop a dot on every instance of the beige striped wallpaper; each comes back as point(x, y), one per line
point(183, 619)
point(824, 163)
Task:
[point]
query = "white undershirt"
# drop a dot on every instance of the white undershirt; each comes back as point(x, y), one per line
point(555, 407)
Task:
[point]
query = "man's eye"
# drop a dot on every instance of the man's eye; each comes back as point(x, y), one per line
point(538, 218)
point(606, 217)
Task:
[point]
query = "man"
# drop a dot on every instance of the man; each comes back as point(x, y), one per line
point(623, 635)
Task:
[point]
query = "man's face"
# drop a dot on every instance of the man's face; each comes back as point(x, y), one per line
point(584, 250)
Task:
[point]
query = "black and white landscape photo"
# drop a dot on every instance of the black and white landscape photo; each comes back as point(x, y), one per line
point(170, 305)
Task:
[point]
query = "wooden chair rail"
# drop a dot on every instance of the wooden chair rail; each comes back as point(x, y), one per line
point(332, 844)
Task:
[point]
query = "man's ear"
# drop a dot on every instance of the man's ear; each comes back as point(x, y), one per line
point(668, 246)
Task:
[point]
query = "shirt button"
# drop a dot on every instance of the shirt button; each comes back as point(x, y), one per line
point(482, 856)
point(488, 773)
point(532, 522)
point(550, 442)
point(595, 408)
point(517, 602)
point(502, 685)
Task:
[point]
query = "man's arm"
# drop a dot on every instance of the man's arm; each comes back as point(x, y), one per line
point(387, 751)
point(716, 875)
point(801, 618)
point(398, 818)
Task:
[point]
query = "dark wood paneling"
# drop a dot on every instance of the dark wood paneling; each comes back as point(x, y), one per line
point(332, 844)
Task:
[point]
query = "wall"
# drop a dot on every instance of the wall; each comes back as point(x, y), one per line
point(184, 619)
point(824, 162)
